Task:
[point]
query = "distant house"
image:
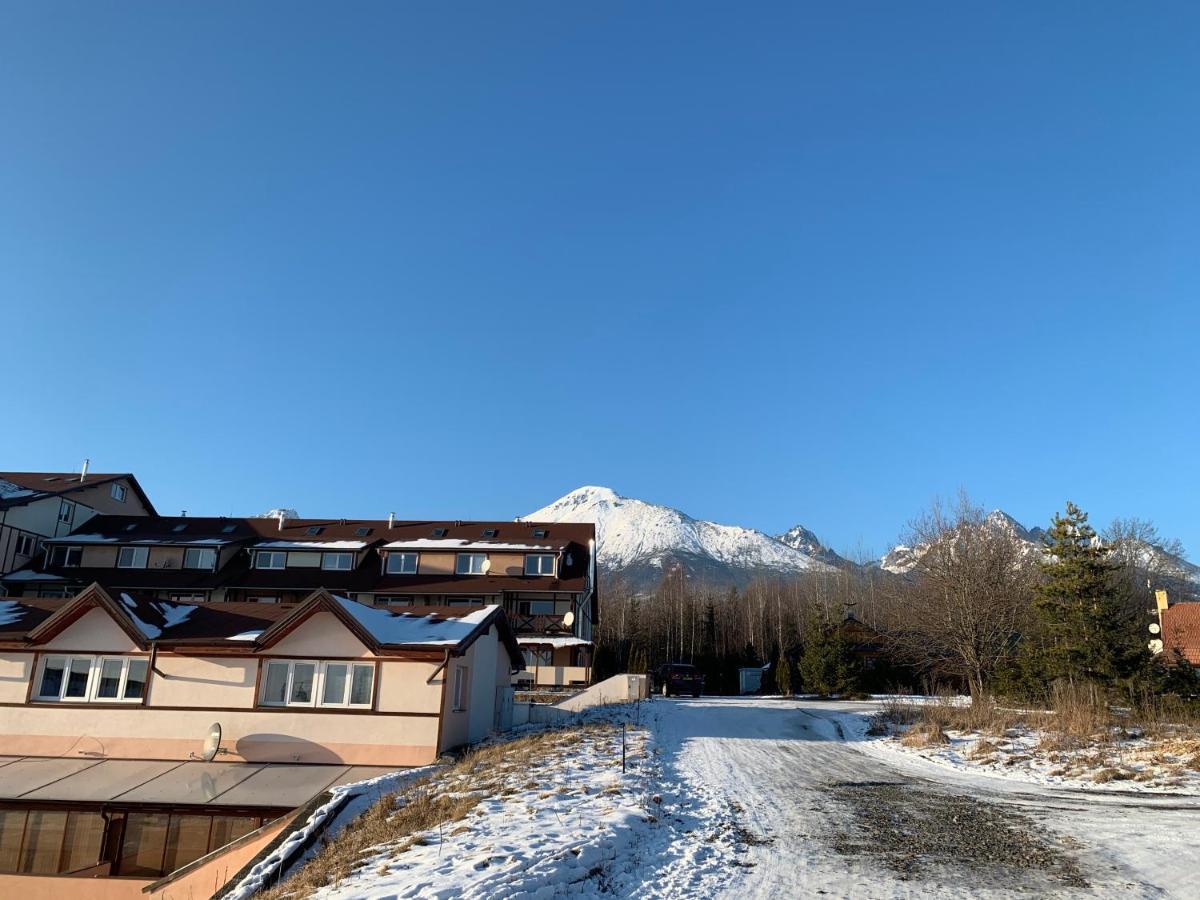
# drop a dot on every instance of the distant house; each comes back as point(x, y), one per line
point(39, 505)
point(1180, 632)
point(107, 700)
point(542, 575)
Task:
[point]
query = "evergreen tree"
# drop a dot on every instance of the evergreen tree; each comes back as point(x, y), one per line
point(783, 675)
point(1087, 631)
point(827, 662)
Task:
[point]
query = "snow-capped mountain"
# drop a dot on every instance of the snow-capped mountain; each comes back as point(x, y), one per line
point(800, 538)
point(286, 511)
point(641, 541)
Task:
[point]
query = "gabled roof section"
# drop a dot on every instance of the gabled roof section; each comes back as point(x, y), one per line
point(20, 488)
point(91, 597)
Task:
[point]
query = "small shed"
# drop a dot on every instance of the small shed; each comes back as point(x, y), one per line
point(750, 680)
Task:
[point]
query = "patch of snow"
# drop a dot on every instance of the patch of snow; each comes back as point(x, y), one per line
point(10, 611)
point(461, 544)
point(172, 614)
point(246, 636)
point(552, 642)
point(31, 575)
point(310, 545)
point(399, 628)
point(10, 491)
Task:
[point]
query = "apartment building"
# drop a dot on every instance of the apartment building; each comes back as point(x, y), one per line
point(39, 505)
point(108, 700)
point(542, 575)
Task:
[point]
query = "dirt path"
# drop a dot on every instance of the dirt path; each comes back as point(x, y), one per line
point(766, 798)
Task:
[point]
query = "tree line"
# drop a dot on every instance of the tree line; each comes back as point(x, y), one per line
point(981, 611)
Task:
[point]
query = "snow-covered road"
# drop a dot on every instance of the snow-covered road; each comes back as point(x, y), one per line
point(772, 798)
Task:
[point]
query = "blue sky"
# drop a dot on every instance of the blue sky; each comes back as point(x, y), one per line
point(770, 264)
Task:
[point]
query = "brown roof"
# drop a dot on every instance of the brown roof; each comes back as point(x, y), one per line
point(47, 484)
point(186, 530)
point(558, 534)
point(1181, 631)
point(19, 615)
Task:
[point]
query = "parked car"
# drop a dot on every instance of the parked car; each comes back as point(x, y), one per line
point(677, 678)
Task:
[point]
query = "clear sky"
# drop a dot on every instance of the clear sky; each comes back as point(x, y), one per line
point(768, 263)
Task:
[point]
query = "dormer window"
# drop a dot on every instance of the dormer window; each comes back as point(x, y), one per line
point(200, 558)
point(539, 564)
point(471, 564)
point(539, 532)
point(489, 532)
point(439, 532)
point(362, 532)
point(314, 530)
point(67, 557)
point(131, 526)
point(229, 529)
point(338, 562)
point(118, 492)
point(402, 563)
point(133, 557)
point(180, 527)
point(270, 559)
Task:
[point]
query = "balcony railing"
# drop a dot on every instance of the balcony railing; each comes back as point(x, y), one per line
point(540, 624)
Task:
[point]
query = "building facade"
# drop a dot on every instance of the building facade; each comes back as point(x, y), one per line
point(35, 506)
point(542, 575)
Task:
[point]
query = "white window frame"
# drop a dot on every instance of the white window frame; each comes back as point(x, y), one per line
point(200, 550)
point(388, 569)
point(461, 689)
point(66, 512)
point(145, 556)
point(260, 555)
point(535, 655)
point(530, 557)
point(320, 668)
point(25, 539)
point(327, 556)
point(95, 670)
point(118, 492)
point(66, 551)
point(470, 559)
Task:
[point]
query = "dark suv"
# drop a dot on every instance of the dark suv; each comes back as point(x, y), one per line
point(677, 678)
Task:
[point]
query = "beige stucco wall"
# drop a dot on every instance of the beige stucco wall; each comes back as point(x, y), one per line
point(15, 670)
point(94, 632)
point(436, 563)
point(103, 557)
point(321, 635)
point(165, 558)
point(203, 681)
point(403, 687)
point(507, 563)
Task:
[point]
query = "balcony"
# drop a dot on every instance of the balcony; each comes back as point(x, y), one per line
point(538, 624)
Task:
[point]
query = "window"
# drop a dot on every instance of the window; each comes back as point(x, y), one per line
point(132, 526)
point(313, 530)
point(537, 656)
point(270, 559)
point(465, 601)
point(133, 557)
point(489, 532)
point(182, 526)
point(341, 562)
point(471, 564)
point(66, 511)
point(200, 558)
point(460, 688)
point(189, 598)
point(402, 563)
point(540, 532)
point(118, 492)
point(86, 679)
point(539, 563)
point(229, 529)
point(156, 843)
point(439, 532)
point(26, 545)
point(263, 599)
point(67, 557)
point(536, 607)
point(312, 683)
point(362, 532)
point(394, 601)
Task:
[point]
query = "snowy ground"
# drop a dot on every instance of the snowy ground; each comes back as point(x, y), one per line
point(760, 797)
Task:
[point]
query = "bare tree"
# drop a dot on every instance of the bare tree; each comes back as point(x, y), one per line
point(967, 595)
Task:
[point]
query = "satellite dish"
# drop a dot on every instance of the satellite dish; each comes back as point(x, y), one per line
point(487, 565)
point(212, 743)
point(1156, 646)
point(1154, 628)
point(569, 618)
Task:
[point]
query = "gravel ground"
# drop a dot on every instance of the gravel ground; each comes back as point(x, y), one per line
point(915, 830)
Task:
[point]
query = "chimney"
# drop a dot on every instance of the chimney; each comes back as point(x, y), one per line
point(83, 474)
point(391, 521)
point(183, 513)
point(282, 519)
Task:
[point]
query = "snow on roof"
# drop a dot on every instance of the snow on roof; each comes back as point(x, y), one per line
point(124, 539)
point(557, 641)
point(30, 575)
point(460, 544)
point(410, 628)
point(172, 614)
point(10, 491)
point(10, 611)
point(310, 545)
point(246, 636)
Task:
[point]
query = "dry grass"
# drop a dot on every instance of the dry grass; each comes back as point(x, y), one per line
point(924, 735)
point(407, 818)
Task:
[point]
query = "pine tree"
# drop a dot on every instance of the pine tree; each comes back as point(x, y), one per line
point(783, 675)
point(827, 663)
point(1087, 631)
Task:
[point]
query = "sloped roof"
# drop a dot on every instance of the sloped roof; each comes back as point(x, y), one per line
point(20, 488)
point(1181, 631)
